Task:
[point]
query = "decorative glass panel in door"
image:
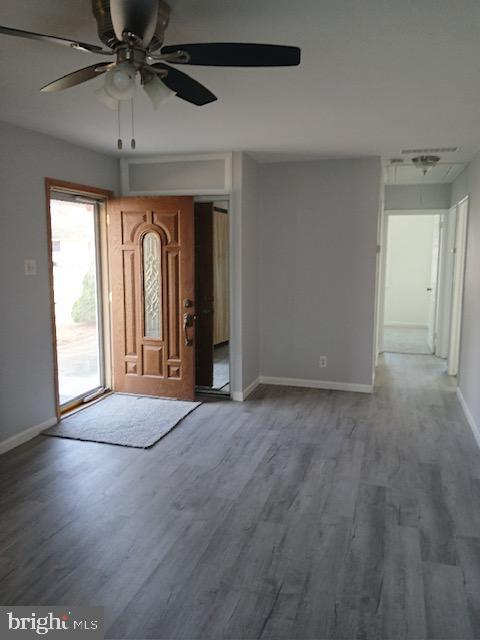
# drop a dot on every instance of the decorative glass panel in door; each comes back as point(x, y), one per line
point(152, 285)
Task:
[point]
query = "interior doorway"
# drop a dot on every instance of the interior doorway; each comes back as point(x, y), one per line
point(411, 283)
point(423, 269)
point(76, 275)
point(213, 296)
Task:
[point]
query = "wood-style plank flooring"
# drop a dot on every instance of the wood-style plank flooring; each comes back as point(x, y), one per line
point(299, 514)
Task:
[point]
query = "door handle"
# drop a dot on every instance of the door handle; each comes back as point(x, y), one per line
point(188, 322)
point(429, 289)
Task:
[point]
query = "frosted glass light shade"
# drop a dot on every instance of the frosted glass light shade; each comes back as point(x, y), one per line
point(120, 81)
point(157, 91)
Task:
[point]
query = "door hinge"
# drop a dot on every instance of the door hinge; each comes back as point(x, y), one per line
point(108, 219)
point(110, 297)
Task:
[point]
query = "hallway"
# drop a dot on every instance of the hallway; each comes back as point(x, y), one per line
point(300, 513)
point(413, 340)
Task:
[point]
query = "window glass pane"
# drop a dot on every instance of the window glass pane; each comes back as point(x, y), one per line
point(75, 294)
point(152, 285)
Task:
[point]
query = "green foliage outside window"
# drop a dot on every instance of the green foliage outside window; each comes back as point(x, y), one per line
point(85, 309)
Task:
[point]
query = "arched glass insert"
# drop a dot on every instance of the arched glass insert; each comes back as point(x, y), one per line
point(152, 285)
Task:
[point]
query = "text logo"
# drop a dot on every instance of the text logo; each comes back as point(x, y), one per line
point(52, 622)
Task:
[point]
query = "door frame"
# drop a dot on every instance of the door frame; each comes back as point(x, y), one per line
point(101, 195)
point(204, 304)
point(446, 274)
point(232, 345)
point(231, 190)
point(438, 285)
point(458, 285)
point(383, 264)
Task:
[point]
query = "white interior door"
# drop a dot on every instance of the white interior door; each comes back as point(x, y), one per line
point(432, 290)
point(458, 283)
point(445, 284)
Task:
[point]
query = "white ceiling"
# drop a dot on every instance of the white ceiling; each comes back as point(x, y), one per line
point(377, 76)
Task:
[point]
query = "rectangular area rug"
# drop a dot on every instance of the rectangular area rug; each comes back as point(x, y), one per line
point(126, 420)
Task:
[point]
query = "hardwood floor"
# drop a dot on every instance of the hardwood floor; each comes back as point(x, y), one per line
point(300, 514)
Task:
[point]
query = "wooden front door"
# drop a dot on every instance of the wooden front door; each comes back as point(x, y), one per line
point(151, 245)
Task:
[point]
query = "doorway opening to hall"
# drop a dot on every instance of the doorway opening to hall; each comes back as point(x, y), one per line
point(423, 282)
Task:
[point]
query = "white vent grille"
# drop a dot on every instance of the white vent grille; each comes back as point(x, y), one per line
point(431, 150)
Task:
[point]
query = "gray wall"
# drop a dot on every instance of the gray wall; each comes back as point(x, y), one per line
point(173, 176)
point(462, 185)
point(317, 264)
point(417, 196)
point(250, 293)
point(468, 183)
point(26, 368)
point(244, 257)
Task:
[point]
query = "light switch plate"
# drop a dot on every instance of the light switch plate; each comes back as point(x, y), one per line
point(30, 267)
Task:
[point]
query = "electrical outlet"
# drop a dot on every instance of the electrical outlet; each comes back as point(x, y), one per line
point(323, 362)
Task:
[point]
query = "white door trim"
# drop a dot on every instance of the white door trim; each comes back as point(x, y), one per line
point(458, 287)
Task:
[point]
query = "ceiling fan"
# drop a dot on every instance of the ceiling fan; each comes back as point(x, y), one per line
point(134, 33)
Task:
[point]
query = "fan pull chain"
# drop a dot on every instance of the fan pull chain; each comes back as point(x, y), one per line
point(133, 142)
point(119, 141)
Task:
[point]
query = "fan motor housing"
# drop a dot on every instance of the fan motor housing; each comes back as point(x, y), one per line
point(106, 32)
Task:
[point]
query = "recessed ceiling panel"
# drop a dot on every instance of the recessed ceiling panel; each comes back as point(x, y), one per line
point(409, 174)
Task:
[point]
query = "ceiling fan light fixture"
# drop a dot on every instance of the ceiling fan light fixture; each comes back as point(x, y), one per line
point(134, 32)
point(158, 92)
point(425, 163)
point(120, 82)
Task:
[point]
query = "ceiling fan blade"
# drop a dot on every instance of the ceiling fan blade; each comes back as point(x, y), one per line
point(77, 77)
point(236, 54)
point(73, 44)
point(132, 16)
point(185, 87)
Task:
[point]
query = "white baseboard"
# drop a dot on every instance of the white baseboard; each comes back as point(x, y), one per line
point(240, 396)
point(25, 436)
point(317, 384)
point(407, 325)
point(468, 415)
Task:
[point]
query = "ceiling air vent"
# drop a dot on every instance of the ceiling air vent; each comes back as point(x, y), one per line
point(431, 150)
